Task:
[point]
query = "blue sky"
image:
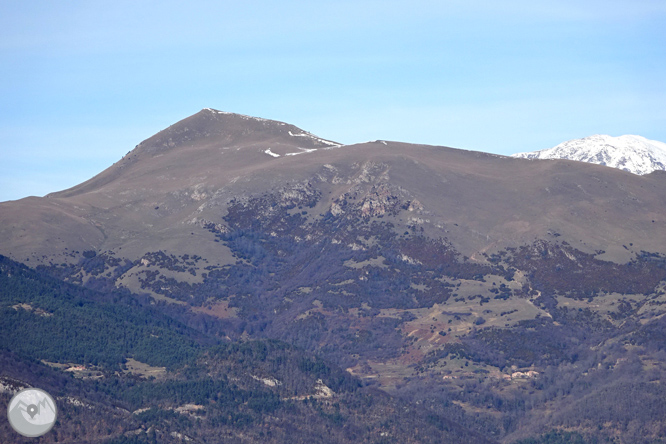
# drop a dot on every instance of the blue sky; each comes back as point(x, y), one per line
point(83, 82)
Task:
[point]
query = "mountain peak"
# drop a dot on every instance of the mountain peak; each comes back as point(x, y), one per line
point(222, 128)
point(237, 115)
point(203, 144)
point(631, 153)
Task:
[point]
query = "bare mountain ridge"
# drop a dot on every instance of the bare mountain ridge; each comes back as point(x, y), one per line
point(207, 129)
point(184, 176)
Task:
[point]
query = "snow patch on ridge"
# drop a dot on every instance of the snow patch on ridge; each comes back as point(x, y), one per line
point(271, 153)
point(242, 116)
point(634, 154)
point(312, 136)
point(303, 151)
point(259, 119)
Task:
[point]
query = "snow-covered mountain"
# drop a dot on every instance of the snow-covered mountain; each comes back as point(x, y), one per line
point(635, 154)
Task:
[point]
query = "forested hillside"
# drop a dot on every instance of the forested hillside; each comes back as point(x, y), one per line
point(122, 372)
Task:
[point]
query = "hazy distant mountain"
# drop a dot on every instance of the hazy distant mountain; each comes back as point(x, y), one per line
point(514, 297)
point(635, 154)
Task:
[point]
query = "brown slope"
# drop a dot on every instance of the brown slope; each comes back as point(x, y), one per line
point(162, 192)
point(138, 200)
point(205, 134)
